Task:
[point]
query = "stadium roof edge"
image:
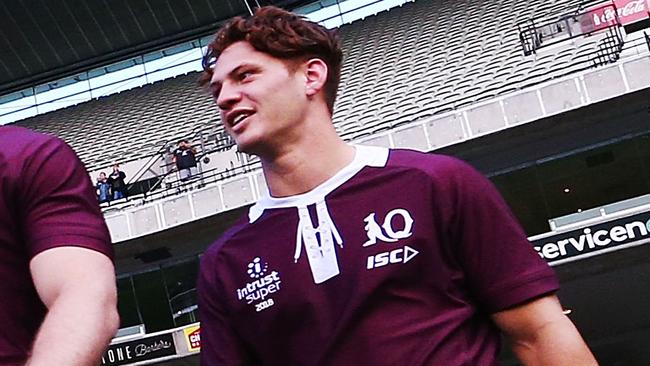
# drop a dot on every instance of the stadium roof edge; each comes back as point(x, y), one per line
point(43, 42)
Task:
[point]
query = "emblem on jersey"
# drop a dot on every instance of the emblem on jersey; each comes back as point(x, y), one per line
point(398, 224)
point(263, 286)
point(256, 268)
point(387, 232)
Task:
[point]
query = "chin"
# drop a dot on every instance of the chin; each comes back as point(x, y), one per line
point(255, 142)
point(248, 146)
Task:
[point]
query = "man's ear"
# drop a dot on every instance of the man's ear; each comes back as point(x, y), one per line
point(316, 73)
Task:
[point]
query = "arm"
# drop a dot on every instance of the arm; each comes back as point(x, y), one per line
point(69, 250)
point(507, 277)
point(542, 335)
point(78, 287)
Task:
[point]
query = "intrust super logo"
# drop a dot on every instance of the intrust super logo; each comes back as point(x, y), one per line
point(262, 287)
point(397, 225)
point(256, 268)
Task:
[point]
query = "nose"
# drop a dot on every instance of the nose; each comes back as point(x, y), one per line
point(228, 97)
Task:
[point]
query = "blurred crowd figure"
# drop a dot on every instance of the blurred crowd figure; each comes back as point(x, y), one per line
point(185, 158)
point(112, 187)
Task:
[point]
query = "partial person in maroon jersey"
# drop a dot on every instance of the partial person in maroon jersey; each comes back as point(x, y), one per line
point(358, 255)
point(57, 280)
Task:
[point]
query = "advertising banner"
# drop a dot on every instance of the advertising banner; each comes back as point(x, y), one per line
point(595, 238)
point(604, 15)
point(193, 338)
point(139, 350)
point(632, 11)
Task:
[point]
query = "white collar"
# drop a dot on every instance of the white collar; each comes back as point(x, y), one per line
point(364, 156)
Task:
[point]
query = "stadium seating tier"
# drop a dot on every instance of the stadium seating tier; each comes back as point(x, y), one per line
point(418, 60)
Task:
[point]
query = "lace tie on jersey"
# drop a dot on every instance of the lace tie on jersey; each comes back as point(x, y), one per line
point(319, 242)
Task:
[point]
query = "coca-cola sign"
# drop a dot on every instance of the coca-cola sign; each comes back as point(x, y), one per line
point(604, 15)
point(599, 17)
point(631, 11)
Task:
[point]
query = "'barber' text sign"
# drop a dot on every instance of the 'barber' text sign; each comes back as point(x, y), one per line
point(140, 350)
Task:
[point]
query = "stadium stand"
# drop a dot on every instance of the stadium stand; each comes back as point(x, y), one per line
point(422, 59)
point(131, 124)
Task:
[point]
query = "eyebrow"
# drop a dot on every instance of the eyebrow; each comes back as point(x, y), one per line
point(215, 86)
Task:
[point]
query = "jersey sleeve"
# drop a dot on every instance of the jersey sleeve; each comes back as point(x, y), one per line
point(220, 345)
point(499, 263)
point(58, 201)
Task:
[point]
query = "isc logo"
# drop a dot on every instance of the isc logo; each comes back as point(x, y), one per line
point(399, 255)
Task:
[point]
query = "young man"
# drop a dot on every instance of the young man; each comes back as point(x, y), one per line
point(358, 255)
point(57, 281)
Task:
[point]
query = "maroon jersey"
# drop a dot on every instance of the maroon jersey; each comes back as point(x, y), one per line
point(46, 201)
point(398, 259)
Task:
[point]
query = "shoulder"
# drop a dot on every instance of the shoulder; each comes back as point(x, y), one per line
point(19, 140)
point(441, 168)
point(29, 152)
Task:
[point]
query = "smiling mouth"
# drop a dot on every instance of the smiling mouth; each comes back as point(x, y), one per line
point(240, 118)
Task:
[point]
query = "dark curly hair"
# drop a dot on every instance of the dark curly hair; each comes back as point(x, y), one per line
point(283, 35)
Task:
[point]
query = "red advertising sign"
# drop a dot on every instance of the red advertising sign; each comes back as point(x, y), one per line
point(604, 15)
point(193, 338)
point(631, 11)
point(598, 17)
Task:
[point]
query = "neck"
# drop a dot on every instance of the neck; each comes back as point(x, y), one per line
point(305, 163)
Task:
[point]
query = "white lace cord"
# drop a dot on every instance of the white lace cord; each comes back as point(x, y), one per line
point(302, 212)
point(321, 208)
point(323, 215)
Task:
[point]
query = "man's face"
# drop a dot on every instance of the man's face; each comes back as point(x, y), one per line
point(102, 176)
point(260, 99)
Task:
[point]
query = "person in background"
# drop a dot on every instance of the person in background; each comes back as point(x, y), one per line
point(116, 180)
point(103, 188)
point(185, 158)
point(58, 298)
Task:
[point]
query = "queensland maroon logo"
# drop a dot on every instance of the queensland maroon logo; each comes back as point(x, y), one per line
point(388, 231)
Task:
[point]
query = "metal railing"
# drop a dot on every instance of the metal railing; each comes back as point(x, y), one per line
point(206, 142)
point(152, 160)
point(550, 30)
point(174, 186)
point(609, 48)
point(168, 183)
